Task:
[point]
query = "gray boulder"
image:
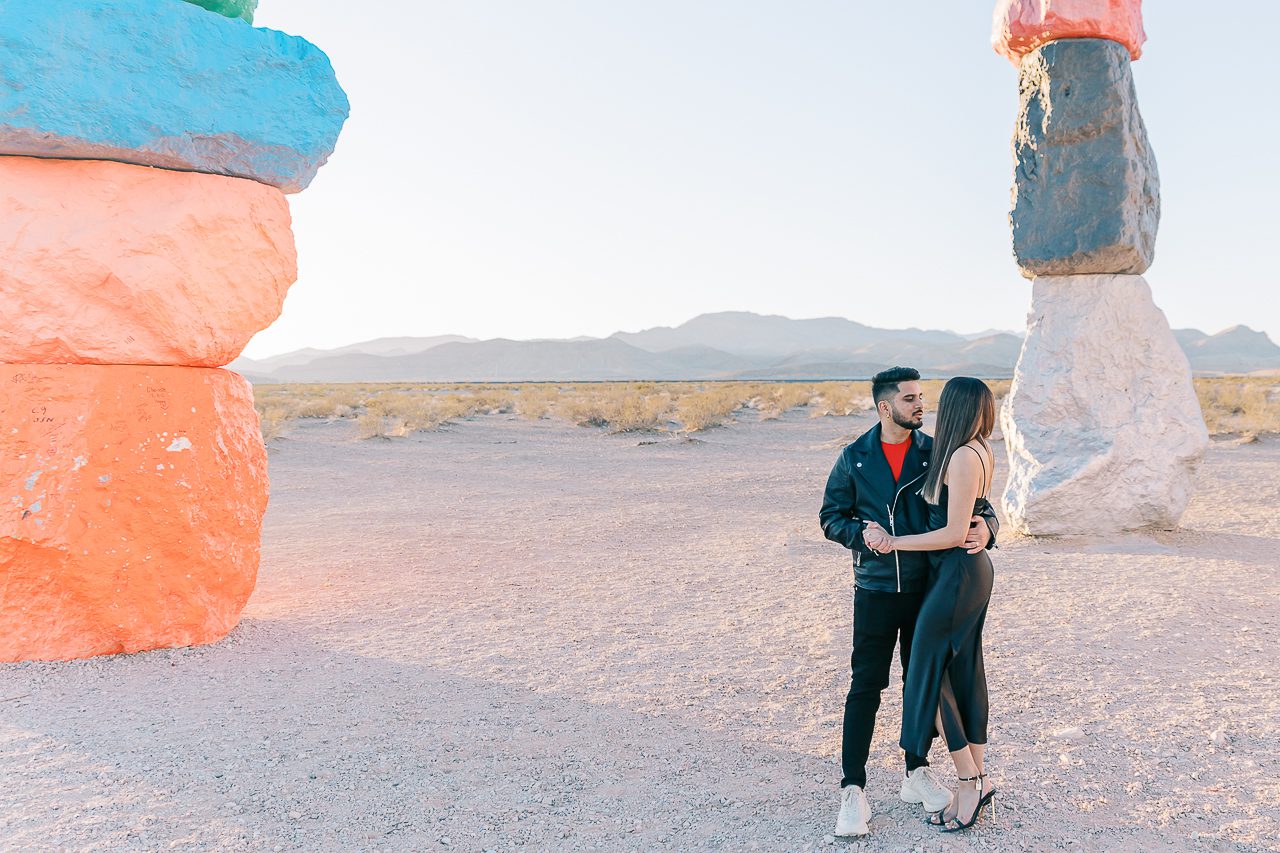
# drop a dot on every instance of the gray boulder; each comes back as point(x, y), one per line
point(1086, 194)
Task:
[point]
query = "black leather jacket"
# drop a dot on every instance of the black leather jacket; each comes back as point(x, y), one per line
point(861, 488)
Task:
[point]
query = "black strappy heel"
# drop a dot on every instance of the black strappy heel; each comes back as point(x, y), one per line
point(938, 818)
point(986, 797)
point(932, 817)
point(957, 825)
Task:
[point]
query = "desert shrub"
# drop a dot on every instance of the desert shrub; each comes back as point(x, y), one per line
point(840, 399)
point(638, 411)
point(395, 414)
point(373, 426)
point(377, 421)
point(784, 397)
point(320, 407)
point(621, 407)
point(272, 420)
point(1239, 405)
point(397, 409)
point(437, 409)
point(493, 401)
point(536, 401)
point(585, 410)
point(708, 408)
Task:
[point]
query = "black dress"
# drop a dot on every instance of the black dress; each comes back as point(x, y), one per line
point(945, 671)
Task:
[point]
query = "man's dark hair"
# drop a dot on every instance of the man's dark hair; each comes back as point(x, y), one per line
point(884, 385)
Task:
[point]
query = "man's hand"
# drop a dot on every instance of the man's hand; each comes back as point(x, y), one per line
point(877, 539)
point(979, 536)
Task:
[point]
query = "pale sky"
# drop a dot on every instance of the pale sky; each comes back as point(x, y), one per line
point(552, 168)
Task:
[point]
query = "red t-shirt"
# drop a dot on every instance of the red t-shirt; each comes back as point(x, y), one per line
point(896, 454)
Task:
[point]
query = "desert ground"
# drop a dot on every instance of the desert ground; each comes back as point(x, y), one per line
point(518, 634)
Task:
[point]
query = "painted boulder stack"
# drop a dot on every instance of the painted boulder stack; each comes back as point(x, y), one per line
point(1102, 424)
point(145, 150)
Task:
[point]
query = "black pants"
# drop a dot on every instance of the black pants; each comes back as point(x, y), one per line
point(880, 619)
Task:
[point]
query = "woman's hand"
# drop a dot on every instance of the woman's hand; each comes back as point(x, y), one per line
point(877, 538)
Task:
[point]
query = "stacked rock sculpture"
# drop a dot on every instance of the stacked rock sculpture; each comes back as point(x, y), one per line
point(146, 147)
point(1103, 428)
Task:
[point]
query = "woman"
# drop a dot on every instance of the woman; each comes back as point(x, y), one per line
point(946, 689)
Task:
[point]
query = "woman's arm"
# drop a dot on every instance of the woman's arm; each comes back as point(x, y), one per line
point(964, 484)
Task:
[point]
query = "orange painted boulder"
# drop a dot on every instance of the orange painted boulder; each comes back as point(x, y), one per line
point(1020, 26)
point(107, 263)
point(132, 509)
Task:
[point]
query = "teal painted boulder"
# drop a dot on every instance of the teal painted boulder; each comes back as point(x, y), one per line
point(168, 85)
point(242, 9)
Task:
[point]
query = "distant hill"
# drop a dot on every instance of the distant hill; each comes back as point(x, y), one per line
point(1235, 350)
point(502, 360)
point(725, 345)
point(380, 346)
point(759, 335)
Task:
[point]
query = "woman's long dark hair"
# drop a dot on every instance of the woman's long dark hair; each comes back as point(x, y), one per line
point(966, 410)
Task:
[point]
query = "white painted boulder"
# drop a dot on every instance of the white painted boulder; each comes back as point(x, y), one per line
point(1102, 425)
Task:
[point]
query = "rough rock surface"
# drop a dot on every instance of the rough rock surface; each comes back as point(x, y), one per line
point(114, 264)
point(1086, 194)
point(1020, 26)
point(132, 508)
point(1103, 428)
point(230, 8)
point(165, 84)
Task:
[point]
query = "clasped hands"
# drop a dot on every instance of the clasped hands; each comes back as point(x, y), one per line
point(879, 540)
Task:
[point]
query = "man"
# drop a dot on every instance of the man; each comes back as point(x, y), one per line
point(878, 479)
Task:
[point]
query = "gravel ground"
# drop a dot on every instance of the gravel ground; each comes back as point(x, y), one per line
point(514, 635)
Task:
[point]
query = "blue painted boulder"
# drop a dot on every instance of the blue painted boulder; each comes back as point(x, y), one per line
point(1086, 196)
point(165, 84)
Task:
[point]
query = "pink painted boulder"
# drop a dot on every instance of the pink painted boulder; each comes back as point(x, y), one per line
point(107, 263)
point(131, 504)
point(1021, 26)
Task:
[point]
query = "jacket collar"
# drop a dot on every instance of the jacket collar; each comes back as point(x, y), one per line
point(870, 440)
point(868, 446)
point(916, 462)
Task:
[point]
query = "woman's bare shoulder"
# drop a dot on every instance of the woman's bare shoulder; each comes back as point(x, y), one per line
point(964, 463)
point(968, 454)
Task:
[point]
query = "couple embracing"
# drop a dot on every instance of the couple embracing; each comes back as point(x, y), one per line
point(914, 511)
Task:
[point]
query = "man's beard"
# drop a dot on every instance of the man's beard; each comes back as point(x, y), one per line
point(905, 423)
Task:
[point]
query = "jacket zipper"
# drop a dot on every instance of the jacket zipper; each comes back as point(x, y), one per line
point(893, 530)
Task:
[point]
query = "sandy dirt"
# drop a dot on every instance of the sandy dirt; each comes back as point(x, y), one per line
point(515, 635)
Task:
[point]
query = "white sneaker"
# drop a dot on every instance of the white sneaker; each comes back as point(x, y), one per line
point(922, 786)
point(855, 811)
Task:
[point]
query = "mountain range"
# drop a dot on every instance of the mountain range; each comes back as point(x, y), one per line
point(723, 345)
